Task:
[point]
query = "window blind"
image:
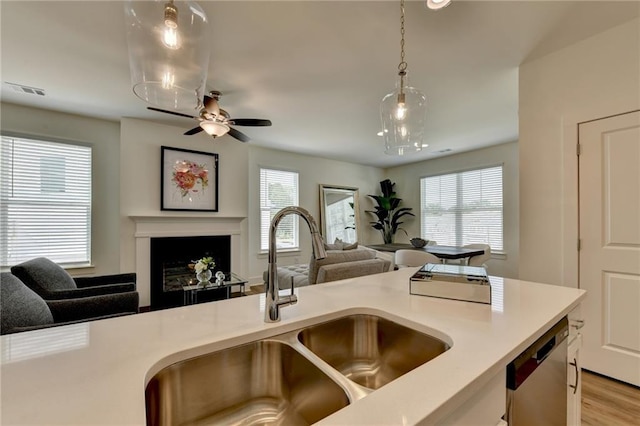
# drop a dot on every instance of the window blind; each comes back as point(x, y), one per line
point(278, 189)
point(463, 208)
point(45, 201)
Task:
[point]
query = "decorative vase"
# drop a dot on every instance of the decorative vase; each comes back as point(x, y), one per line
point(204, 276)
point(418, 242)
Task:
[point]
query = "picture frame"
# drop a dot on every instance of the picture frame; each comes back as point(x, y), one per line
point(189, 180)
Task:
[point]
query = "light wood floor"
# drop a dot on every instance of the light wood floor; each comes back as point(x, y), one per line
point(607, 402)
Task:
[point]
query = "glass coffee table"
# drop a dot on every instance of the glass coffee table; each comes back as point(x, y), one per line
point(214, 290)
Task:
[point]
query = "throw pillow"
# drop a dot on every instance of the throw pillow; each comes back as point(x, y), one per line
point(43, 273)
point(350, 246)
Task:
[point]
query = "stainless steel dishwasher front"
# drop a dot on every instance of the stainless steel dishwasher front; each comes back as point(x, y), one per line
point(537, 381)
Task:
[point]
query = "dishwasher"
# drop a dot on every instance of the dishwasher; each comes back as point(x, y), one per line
point(537, 381)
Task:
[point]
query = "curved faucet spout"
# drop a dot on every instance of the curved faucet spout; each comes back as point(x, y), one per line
point(273, 299)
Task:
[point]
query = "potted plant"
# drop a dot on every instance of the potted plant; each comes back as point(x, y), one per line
point(388, 212)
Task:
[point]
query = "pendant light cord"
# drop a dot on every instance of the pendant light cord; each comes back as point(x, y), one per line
point(402, 67)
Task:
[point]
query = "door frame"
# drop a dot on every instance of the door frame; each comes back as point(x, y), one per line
point(577, 184)
point(568, 127)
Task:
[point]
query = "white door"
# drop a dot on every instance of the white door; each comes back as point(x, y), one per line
point(609, 192)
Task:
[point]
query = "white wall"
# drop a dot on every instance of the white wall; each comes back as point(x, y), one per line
point(313, 171)
point(407, 179)
point(597, 77)
point(104, 137)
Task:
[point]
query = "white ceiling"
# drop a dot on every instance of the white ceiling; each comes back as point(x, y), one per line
point(316, 69)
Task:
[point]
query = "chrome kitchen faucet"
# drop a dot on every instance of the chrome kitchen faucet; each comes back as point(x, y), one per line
point(273, 299)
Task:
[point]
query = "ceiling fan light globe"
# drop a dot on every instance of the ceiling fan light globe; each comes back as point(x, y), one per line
point(214, 128)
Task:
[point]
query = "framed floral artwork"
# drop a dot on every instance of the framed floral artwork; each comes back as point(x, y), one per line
point(189, 180)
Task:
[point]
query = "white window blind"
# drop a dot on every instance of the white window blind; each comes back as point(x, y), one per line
point(45, 201)
point(463, 208)
point(278, 189)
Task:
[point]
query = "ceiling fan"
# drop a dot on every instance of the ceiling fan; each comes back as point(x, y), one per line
point(216, 121)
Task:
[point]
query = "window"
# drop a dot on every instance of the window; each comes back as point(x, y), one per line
point(45, 201)
point(278, 189)
point(463, 208)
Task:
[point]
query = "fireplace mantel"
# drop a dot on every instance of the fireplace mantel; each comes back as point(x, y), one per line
point(157, 226)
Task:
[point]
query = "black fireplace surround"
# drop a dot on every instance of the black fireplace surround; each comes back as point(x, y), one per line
point(169, 263)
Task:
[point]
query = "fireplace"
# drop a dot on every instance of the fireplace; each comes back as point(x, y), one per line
point(166, 226)
point(170, 258)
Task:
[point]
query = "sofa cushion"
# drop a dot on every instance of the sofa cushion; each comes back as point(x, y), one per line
point(299, 273)
point(42, 273)
point(335, 246)
point(21, 306)
point(338, 244)
point(347, 246)
point(357, 268)
point(335, 256)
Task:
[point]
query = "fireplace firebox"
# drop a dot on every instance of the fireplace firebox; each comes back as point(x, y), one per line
point(170, 271)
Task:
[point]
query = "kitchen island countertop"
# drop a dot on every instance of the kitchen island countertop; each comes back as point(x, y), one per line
point(95, 373)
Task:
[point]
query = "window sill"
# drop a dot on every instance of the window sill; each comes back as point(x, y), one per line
point(76, 267)
point(80, 269)
point(280, 253)
point(499, 255)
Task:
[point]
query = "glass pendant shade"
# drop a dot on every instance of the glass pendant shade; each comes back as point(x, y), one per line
point(404, 114)
point(168, 52)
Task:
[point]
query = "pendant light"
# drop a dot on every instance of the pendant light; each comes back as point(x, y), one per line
point(168, 52)
point(403, 112)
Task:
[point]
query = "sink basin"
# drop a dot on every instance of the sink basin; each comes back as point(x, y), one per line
point(264, 382)
point(370, 350)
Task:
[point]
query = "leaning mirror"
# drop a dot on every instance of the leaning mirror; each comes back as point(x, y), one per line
point(339, 213)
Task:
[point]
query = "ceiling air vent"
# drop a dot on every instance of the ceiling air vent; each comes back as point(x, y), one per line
point(21, 88)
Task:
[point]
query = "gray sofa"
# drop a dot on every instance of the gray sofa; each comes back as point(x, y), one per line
point(338, 265)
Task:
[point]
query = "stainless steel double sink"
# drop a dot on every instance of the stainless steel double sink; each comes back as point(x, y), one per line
point(295, 378)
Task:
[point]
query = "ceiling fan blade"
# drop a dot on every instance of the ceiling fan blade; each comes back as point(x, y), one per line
point(250, 122)
point(193, 131)
point(238, 135)
point(179, 114)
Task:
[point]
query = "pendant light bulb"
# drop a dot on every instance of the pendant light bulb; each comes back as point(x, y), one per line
point(401, 108)
point(170, 36)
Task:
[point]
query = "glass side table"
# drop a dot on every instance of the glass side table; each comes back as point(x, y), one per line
point(215, 290)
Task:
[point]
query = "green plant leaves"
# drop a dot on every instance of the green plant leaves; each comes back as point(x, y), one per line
point(388, 212)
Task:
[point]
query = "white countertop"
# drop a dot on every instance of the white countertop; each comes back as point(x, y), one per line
point(95, 373)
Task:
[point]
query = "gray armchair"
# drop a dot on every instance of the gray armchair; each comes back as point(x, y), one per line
point(52, 282)
point(21, 309)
